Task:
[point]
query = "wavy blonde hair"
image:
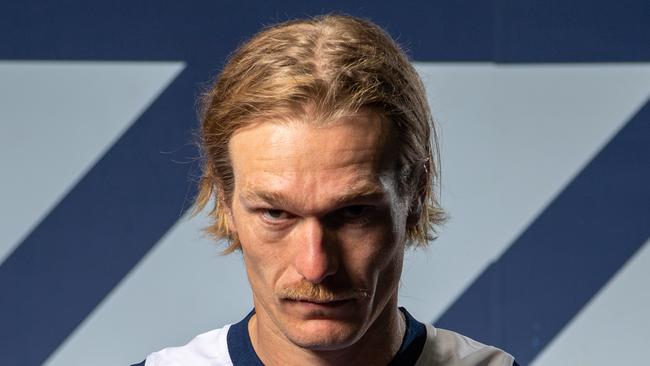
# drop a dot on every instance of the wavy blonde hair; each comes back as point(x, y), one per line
point(328, 67)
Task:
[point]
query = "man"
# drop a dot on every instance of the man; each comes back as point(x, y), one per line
point(318, 155)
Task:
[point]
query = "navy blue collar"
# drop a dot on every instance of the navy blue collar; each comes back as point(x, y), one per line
point(240, 347)
point(413, 342)
point(242, 353)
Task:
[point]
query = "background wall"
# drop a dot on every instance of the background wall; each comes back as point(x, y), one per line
point(545, 126)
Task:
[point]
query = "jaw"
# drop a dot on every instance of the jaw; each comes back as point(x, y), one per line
point(328, 342)
point(345, 329)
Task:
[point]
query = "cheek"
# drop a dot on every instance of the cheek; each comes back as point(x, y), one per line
point(374, 254)
point(382, 263)
point(262, 259)
point(264, 269)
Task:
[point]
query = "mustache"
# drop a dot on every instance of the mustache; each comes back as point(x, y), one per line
point(316, 292)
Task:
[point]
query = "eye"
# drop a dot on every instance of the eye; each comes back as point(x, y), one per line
point(273, 215)
point(354, 211)
point(357, 214)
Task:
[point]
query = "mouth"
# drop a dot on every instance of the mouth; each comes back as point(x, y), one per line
point(327, 303)
point(319, 304)
point(317, 300)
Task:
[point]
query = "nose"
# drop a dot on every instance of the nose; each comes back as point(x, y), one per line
point(316, 257)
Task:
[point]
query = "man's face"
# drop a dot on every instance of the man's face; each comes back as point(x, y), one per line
point(321, 226)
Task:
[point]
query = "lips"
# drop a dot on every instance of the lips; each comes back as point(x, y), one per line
point(319, 305)
point(324, 303)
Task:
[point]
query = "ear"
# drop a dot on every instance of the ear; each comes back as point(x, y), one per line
point(227, 219)
point(230, 221)
point(417, 200)
point(415, 209)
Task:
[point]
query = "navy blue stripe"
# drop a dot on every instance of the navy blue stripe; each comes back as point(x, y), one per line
point(521, 301)
point(572, 31)
point(99, 231)
point(113, 30)
point(463, 30)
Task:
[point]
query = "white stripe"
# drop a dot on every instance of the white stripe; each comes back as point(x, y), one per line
point(614, 327)
point(512, 138)
point(56, 120)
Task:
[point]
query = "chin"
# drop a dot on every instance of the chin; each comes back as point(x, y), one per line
point(323, 334)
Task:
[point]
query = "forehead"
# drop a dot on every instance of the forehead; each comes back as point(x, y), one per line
point(300, 158)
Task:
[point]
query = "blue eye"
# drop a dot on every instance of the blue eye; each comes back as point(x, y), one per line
point(274, 215)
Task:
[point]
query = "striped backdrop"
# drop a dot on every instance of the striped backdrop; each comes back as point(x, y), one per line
point(545, 126)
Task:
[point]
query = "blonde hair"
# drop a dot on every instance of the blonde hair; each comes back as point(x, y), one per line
point(328, 67)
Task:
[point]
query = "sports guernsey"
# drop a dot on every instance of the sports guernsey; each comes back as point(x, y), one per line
point(422, 345)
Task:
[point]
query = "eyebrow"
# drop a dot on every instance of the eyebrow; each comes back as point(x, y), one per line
point(362, 192)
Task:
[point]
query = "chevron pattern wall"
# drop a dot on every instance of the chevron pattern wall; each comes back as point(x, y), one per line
point(544, 115)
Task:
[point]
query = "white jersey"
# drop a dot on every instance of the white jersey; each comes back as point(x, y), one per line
point(423, 345)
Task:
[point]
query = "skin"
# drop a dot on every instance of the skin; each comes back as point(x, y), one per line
point(322, 231)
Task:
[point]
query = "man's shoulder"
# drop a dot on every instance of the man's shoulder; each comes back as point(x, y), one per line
point(206, 349)
point(445, 347)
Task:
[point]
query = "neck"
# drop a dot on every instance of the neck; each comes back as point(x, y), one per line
point(377, 346)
